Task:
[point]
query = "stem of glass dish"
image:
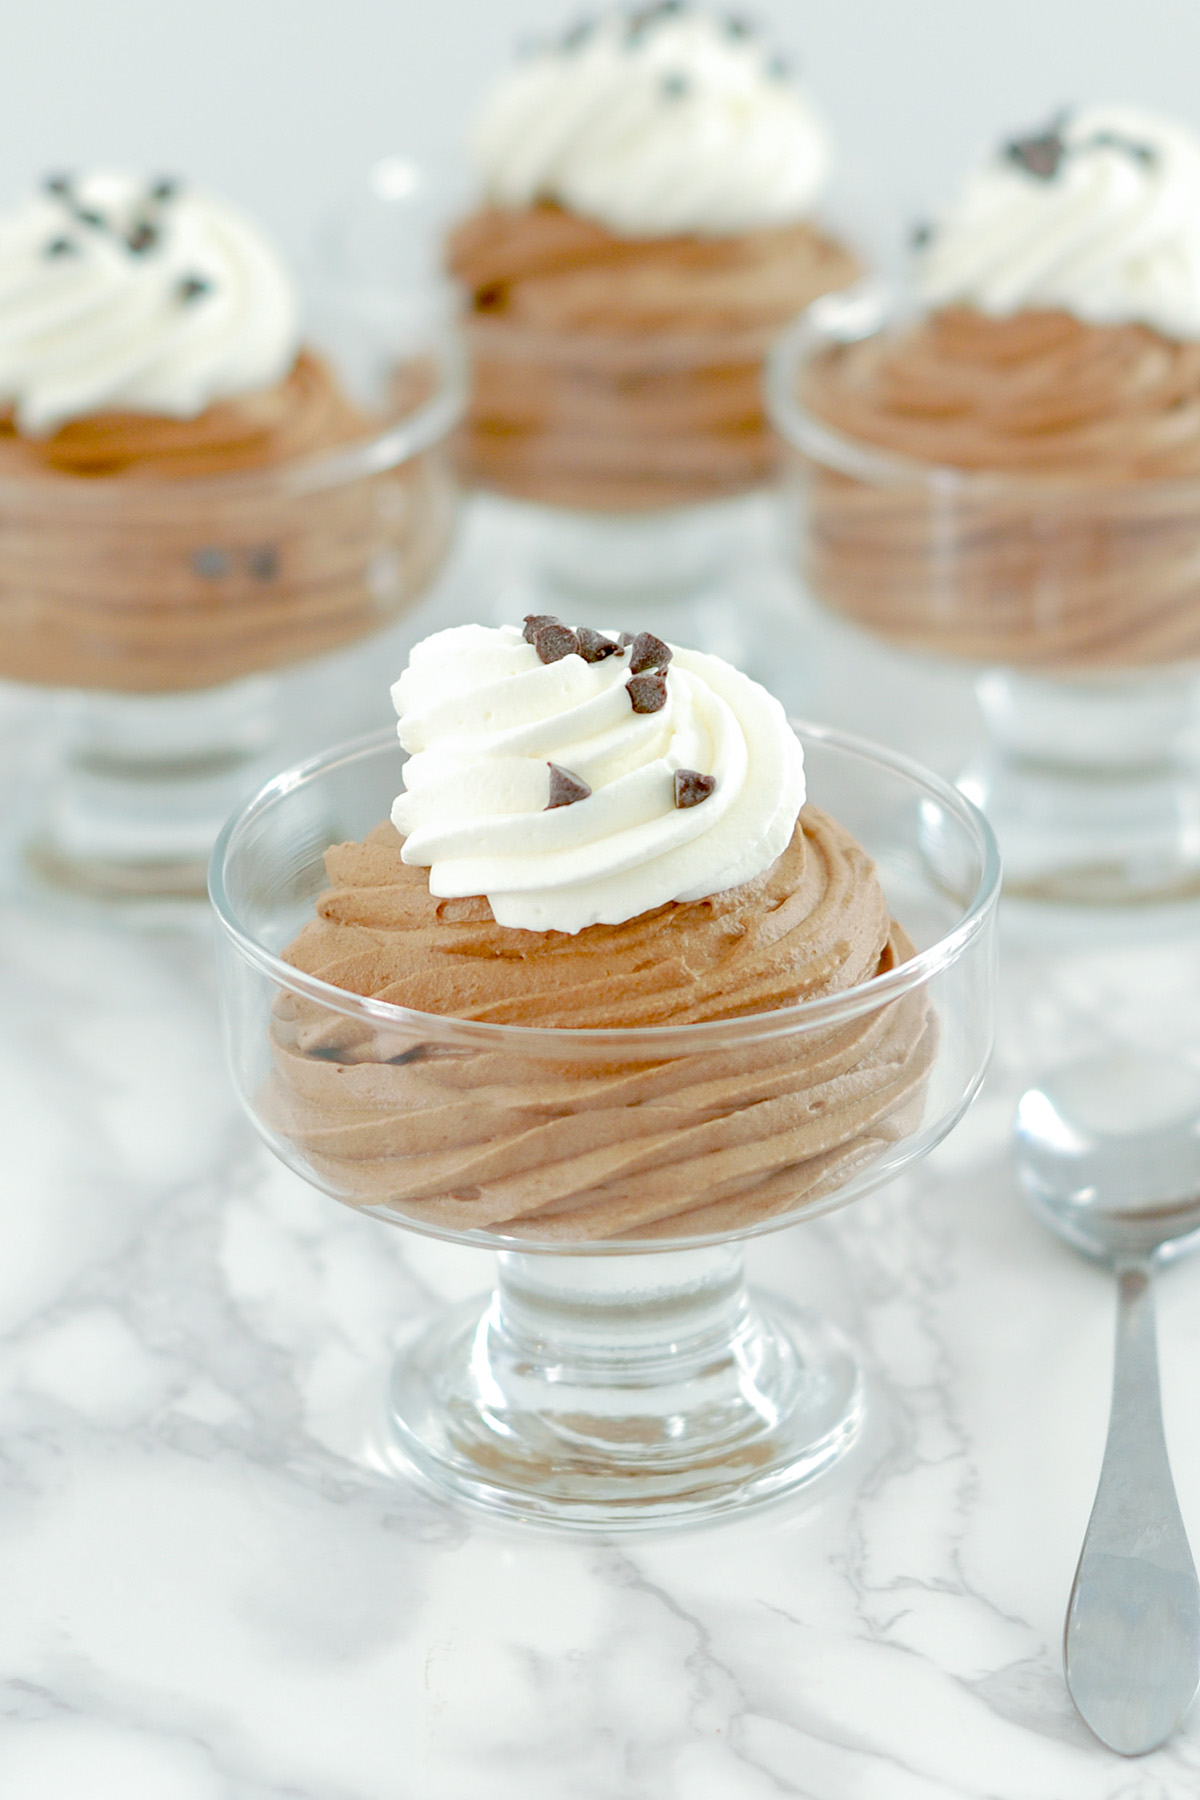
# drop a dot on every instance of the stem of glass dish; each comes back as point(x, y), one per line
point(1092, 785)
point(625, 1389)
point(140, 784)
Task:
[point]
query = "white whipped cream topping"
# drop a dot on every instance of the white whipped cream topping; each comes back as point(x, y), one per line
point(483, 717)
point(113, 299)
point(656, 123)
point(1105, 225)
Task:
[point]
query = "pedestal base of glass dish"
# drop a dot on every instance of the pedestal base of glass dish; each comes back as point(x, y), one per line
point(1092, 786)
point(625, 1390)
point(138, 785)
point(666, 570)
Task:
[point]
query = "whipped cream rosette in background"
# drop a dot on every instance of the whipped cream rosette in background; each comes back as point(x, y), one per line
point(1004, 467)
point(591, 972)
point(649, 185)
point(189, 501)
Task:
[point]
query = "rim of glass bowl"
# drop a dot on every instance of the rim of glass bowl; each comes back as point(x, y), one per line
point(859, 312)
point(656, 1040)
point(374, 453)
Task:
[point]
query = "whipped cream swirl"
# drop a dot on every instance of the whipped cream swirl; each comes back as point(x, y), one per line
point(483, 718)
point(118, 294)
point(655, 122)
point(1098, 215)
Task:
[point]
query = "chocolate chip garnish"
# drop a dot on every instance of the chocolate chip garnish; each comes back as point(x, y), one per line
point(57, 184)
point(263, 563)
point(554, 641)
point(576, 35)
point(648, 652)
point(921, 236)
point(143, 236)
point(565, 788)
point(61, 246)
point(778, 67)
point(624, 639)
point(674, 86)
point(593, 646)
point(192, 287)
point(88, 216)
point(1146, 154)
point(534, 623)
point(1040, 155)
point(211, 563)
point(164, 189)
point(647, 693)
point(737, 27)
point(691, 787)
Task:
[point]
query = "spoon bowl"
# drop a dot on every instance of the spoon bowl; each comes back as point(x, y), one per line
point(1108, 1154)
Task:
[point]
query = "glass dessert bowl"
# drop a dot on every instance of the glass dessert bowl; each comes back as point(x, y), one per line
point(621, 1373)
point(1004, 469)
point(170, 546)
point(644, 229)
point(1075, 604)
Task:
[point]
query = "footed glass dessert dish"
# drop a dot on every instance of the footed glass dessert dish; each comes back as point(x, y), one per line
point(1072, 599)
point(194, 499)
point(621, 1374)
point(160, 617)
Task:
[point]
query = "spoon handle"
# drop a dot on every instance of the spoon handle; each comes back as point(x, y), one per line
point(1131, 1649)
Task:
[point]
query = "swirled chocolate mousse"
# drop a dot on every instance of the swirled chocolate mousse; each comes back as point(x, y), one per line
point(1057, 366)
point(162, 521)
point(595, 833)
point(646, 230)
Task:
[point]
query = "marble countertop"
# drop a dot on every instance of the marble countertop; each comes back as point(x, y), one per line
point(210, 1594)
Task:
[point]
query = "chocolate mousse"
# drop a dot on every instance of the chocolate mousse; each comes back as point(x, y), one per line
point(646, 231)
point(509, 1136)
point(172, 509)
point(1042, 414)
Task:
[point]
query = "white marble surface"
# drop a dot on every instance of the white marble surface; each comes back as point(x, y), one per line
point(209, 1594)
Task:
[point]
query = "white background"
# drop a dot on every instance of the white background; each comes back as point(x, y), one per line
point(285, 103)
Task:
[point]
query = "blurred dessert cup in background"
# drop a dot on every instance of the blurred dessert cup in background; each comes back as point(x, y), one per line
point(648, 184)
point(1003, 467)
point(191, 500)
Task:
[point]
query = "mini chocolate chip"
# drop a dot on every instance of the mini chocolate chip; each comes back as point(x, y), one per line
point(553, 642)
point(143, 236)
point(1041, 154)
point(534, 623)
point(691, 787)
point(57, 184)
point(211, 563)
point(674, 86)
point(647, 693)
point(565, 788)
point(263, 563)
point(87, 215)
point(624, 639)
point(192, 287)
point(593, 647)
point(921, 236)
point(737, 27)
point(1146, 154)
point(164, 189)
point(648, 652)
point(61, 247)
point(778, 67)
point(577, 35)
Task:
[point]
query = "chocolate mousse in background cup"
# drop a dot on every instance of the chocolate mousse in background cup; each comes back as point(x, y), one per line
point(613, 971)
point(191, 502)
point(648, 185)
point(1004, 468)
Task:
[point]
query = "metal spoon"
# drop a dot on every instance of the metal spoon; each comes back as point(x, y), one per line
point(1108, 1153)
